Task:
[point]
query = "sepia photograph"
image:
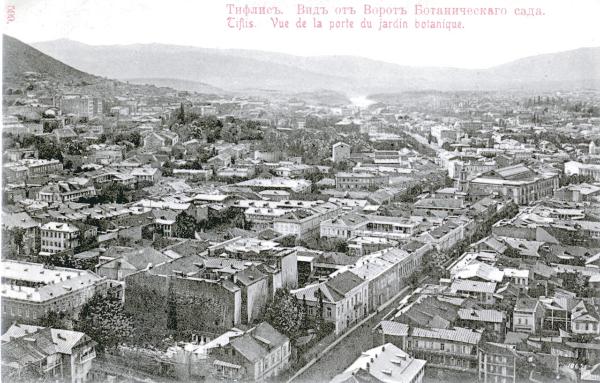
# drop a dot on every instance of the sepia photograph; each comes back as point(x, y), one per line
point(300, 191)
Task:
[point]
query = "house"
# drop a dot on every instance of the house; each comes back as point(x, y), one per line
point(48, 353)
point(491, 320)
point(129, 262)
point(585, 318)
point(155, 141)
point(386, 364)
point(13, 223)
point(341, 300)
point(481, 292)
point(260, 354)
point(528, 315)
point(146, 174)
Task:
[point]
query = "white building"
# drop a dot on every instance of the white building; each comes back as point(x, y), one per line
point(385, 363)
point(57, 237)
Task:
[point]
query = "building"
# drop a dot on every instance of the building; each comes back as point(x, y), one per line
point(80, 105)
point(340, 151)
point(360, 181)
point(578, 193)
point(517, 182)
point(574, 167)
point(31, 290)
point(260, 354)
point(481, 292)
point(29, 168)
point(305, 222)
point(497, 363)
point(277, 183)
point(453, 349)
point(181, 292)
point(48, 353)
point(28, 244)
point(352, 225)
point(66, 191)
point(386, 273)
point(146, 174)
point(341, 300)
point(528, 315)
point(57, 237)
point(585, 318)
point(129, 261)
point(386, 363)
point(155, 141)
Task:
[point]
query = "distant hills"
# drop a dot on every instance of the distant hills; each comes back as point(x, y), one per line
point(18, 57)
point(233, 70)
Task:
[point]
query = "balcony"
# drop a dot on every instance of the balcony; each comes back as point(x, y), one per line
point(84, 358)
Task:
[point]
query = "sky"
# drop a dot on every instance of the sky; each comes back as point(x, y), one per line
point(485, 41)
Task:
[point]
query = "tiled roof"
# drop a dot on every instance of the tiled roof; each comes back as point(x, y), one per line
point(457, 334)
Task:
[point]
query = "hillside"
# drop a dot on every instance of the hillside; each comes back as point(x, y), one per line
point(19, 58)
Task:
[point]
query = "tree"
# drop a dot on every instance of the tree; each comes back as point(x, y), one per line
point(185, 226)
point(114, 193)
point(181, 114)
point(286, 314)
point(103, 319)
point(53, 319)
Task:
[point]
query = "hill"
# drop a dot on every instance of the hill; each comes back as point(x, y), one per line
point(19, 58)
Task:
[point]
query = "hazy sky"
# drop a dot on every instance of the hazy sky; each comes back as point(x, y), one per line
point(485, 41)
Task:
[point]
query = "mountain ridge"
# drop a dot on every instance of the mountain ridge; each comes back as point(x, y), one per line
point(234, 70)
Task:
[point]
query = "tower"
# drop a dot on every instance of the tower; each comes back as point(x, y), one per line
point(462, 185)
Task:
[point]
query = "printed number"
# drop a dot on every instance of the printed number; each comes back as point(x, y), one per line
point(10, 14)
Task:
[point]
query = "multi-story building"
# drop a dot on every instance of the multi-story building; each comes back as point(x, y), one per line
point(386, 363)
point(29, 243)
point(66, 191)
point(517, 182)
point(341, 300)
point(340, 151)
point(181, 292)
point(31, 290)
point(497, 363)
point(360, 181)
point(146, 174)
point(528, 315)
point(453, 349)
point(80, 105)
point(448, 234)
point(57, 237)
point(304, 222)
point(357, 225)
point(386, 272)
point(52, 354)
point(574, 167)
point(29, 168)
point(260, 354)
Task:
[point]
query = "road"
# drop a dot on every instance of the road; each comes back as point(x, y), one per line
point(347, 348)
